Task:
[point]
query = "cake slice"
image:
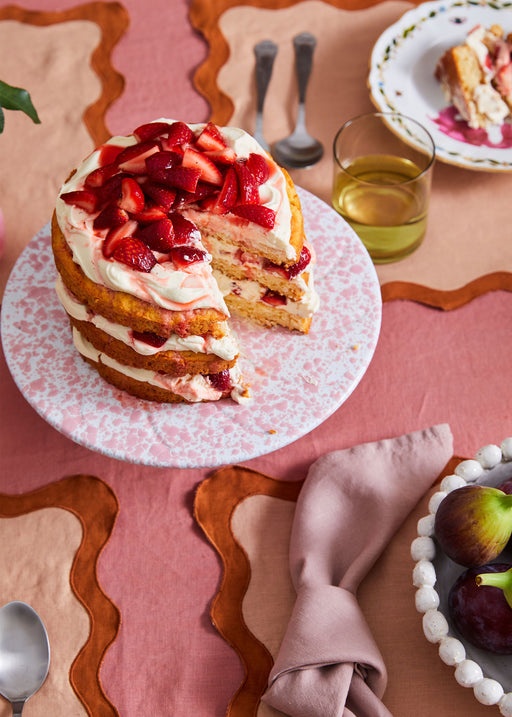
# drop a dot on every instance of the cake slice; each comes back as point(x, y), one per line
point(476, 77)
point(156, 234)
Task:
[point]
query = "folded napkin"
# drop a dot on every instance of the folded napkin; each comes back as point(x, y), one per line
point(350, 505)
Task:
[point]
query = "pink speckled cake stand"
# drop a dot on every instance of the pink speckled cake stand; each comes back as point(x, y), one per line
point(297, 381)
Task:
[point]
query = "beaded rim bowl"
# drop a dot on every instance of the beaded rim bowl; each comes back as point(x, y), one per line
point(434, 573)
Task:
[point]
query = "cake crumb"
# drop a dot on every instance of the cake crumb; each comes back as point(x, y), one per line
point(311, 380)
point(272, 431)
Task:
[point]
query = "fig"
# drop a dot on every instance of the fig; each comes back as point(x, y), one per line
point(480, 612)
point(473, 524)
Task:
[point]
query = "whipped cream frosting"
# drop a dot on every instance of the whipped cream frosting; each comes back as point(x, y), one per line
point(191, 388)
point(226, 347)
point(190, 288)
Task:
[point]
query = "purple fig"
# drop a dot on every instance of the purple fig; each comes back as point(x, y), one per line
point(479, 610)
point(473, 524)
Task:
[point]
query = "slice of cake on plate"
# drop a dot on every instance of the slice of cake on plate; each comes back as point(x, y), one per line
point(156, 234)
point(476, 77)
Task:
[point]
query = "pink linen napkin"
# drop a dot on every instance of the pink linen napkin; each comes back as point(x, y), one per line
point(351, 504)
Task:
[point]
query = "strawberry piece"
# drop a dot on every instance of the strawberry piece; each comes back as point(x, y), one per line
point(264, 216)
point(504, 80)
point(221, 381)
point(185, 178)
point(151, 130)
point(215, 146)
point(202, 191)
point(258, 167)
point(229, 192)
point(108, 153)
point(273, 298)
point(133, 158)
point(111, 216)
point(132, 197)
point(150, 213)
point(83, 198)
point(185, 231)
point(208, 171)
point(162, 160)
point(148, 337)
point(179, 133)
point(163, 196)
point(247, 187)
point(221, 156)
point(98, 177)
point(185, 255)
point(111, 191)
point(135, 254)
point(116, 235)
point(300, 265)
point(158, 236)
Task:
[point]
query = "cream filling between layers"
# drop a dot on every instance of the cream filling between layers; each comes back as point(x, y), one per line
point(252, 292)
point(172, 289)
point(191, 388)
point(226, 348)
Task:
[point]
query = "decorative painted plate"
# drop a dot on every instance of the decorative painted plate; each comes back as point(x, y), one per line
point(297, 381)
point(488, 675)
point(401, 79)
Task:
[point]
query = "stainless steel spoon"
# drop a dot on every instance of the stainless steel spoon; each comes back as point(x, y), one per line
point(24, 654)
point(265, 52)
point(300, 149)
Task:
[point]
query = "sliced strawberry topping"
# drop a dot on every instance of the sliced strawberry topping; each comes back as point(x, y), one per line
point(133, 158)
point(150, 213)
point(158, 236)
point(148, 337)
point(111, 216)
point(162, 160)
point(151, 130)
point(214, 145)
point(273, 298)
point(98, 177)
point(135, 254)
point(185, 178)
point(247, 187)
point(202, 191)
point(504, 80)
point(163, 196)
point(83, 198)
point(111, 191)
point(220, 381)
point(208, 171)
point(109, 153)
point(264, 216)
point(184, 255)
point(132, 197)
point(185, 231)
point(115, 235)
point(229, 192)
point(179, 133)
point(258, 167)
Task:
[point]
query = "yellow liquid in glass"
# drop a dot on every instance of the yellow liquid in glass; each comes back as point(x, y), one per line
point(385, 203)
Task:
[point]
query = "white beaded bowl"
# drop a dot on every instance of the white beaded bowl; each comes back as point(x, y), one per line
point(488, 675)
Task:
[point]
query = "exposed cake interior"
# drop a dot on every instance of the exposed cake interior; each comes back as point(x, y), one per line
point(156, 234)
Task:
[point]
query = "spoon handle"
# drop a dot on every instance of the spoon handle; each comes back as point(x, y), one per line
point(304, 45)
point(265, 52)
point(17, 708)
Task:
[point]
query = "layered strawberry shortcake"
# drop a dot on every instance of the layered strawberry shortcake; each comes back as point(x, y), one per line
point(476, 76)
point(156, 234)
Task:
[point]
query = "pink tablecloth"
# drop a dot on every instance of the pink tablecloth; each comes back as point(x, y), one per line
point(157, 568)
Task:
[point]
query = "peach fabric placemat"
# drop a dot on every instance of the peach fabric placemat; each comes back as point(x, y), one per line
point(55, 535)
point(71, 81)
point(247, 516)
point(464, 253)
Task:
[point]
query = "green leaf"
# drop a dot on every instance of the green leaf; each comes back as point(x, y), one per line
point(15, 98)
point(2, 120)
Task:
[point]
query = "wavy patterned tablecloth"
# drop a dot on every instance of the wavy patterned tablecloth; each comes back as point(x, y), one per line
point(463, 254)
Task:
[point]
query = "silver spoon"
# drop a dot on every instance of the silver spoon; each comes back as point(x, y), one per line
point(300, 149)
point(24, 654)
point(265, 52)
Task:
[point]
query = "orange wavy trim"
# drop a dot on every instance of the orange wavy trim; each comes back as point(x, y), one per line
point(204, 16)
point(216, 500)
point(113, 20)
point(443, 299)
point(96, 507)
